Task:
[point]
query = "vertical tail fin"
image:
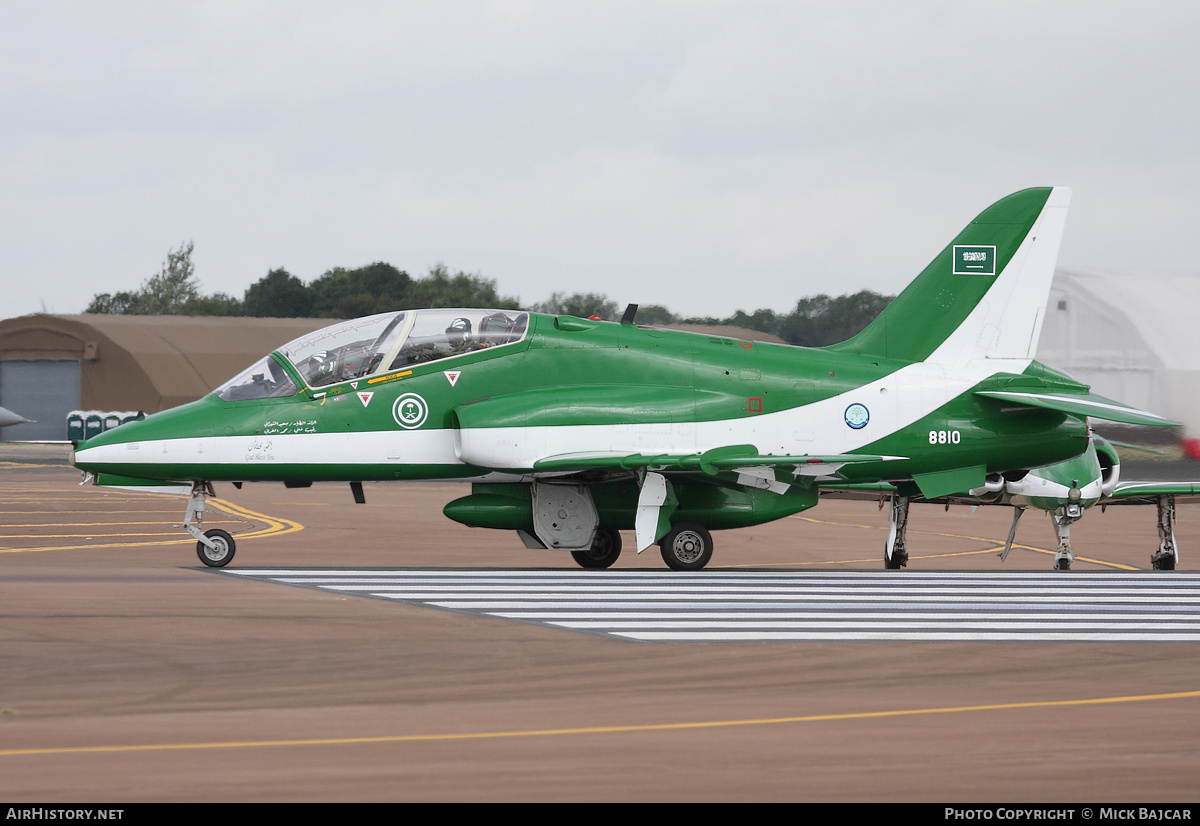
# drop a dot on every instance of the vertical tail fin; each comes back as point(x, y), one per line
point(984, 295)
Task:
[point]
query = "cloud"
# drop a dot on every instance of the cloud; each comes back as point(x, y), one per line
point(700, 155)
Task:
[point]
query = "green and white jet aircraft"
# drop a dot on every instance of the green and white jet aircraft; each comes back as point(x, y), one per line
point(572, 429)
point(1064, 490)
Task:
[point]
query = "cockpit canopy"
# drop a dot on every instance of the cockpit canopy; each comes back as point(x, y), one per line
point(376, 344)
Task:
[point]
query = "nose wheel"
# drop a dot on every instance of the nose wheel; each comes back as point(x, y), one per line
point(222, 549)
point(214, 547)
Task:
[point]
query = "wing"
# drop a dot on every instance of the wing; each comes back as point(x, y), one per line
point(710, 462)
point(742, 465)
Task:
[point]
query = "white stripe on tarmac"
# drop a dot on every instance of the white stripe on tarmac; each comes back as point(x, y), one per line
point(796, 607)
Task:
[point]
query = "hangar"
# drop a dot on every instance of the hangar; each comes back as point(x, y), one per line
point(51, 365)
point(1133, 336)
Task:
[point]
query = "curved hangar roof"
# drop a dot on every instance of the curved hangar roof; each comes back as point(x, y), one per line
point(1133, 336)
point(148, 363)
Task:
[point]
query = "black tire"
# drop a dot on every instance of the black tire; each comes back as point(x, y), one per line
point(898, 560)
point(1062, 564)
point(220, 556)
point(1165, 562)
point(606, 547)
point(687, 547)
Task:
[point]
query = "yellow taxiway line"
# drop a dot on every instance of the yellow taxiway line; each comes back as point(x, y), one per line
point(488, 735)
point(274, 526)
point(998, 546)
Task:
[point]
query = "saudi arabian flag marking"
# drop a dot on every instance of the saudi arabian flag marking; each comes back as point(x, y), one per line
point(974, 260)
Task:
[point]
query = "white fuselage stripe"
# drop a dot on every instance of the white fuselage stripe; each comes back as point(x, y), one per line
point(894, 402)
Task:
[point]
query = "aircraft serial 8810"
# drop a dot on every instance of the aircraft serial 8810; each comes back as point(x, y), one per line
point(571, 430)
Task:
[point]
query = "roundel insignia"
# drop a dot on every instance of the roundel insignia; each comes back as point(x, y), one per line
point(857, 416)
point(410, 411)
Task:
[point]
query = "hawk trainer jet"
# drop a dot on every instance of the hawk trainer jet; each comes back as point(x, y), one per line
point(571, 430)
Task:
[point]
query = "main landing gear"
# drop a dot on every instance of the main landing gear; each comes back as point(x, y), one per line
point(606, 547)
point(895, 555)
point(1168, 551)
point(215, 547)
point(688, 546)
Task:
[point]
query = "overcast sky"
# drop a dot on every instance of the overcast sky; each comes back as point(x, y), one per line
point(704, 155)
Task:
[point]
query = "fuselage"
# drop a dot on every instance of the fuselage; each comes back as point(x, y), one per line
point(558, 385)
point(1050, 488)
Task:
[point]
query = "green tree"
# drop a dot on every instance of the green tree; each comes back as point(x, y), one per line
point(112, 304)
point(438, 288)
point(821, 320)
point(583, 305)
point(651, 314)
point(218, 304)
point(166, 293)
point(765, 321)
point(375, 288)
point(278, 294)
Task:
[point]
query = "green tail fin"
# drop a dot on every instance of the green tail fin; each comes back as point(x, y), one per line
point(984, 295)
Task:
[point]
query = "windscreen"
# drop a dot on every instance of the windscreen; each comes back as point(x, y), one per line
point(265, 379)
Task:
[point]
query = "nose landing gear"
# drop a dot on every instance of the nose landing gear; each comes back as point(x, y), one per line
point(215, 547)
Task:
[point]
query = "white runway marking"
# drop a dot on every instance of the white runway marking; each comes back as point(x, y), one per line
point(721, 606)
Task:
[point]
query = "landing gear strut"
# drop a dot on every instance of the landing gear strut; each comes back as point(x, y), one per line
point(214, 547)
point(1168, 551)
point(1063, 517)
point(894, 554)
point(1012, 532)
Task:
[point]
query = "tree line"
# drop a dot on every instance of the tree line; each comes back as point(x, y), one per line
point(348, 293)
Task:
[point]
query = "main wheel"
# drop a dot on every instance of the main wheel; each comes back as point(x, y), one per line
point(1163, 562)
point(219, 556)
point(606, 547)
point(687, 547)
point(898, 560)
point(1062, 564)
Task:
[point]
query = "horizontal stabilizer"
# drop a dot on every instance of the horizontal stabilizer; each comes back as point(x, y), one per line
point(1146, 493)
point(1086, 404)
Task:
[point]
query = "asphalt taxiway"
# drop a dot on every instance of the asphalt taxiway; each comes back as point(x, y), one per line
point(132, 673)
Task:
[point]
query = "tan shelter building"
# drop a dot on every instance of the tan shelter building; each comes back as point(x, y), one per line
point(51, 365)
